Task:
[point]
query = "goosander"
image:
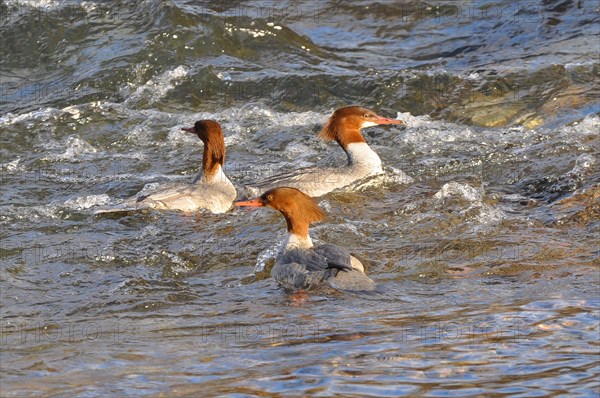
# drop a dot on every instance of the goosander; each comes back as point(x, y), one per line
point(211, 189)
point(344, 127)
point(301, 265)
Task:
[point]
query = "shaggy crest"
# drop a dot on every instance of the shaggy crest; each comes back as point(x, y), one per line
point(298, 208)
point(345, 124)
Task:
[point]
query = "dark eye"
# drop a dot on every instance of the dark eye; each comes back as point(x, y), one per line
point(269, 197)
point(366, 115)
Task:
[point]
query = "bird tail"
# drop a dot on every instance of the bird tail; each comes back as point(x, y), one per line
point(127, 206)
point(355, 281)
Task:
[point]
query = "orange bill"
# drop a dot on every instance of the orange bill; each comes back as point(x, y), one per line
point(250, 203)
point(385, 120)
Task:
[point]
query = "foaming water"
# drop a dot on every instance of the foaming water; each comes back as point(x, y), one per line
point(467, 251)
point(482, 230)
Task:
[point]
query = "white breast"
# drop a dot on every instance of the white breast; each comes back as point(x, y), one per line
point(220, 192)
point(298, 242)
point(362, 156)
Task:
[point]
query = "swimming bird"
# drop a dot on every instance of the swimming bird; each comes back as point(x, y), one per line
point(302, 265)
point(211, 189)
point(343, 127)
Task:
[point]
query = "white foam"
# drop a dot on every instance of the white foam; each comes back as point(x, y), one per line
point(157, 87)
point(413, 121)
point(583, 164)
point(74, 111)
point(12, 167)
point(488, 214)
point(398, 176)
point(465, 191)
point(270, 253)
point(85, 202)
point(590, 125)
point(31, 213)
point(574, 65)
point(424, 132)
point(390, 176)
point(39, 115)
point(75, 148)
point(251, 112)
point(38, 4)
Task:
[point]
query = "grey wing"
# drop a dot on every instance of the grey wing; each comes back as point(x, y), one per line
point(318, 259)
point(296, 276)
point(302, 269)
point(335, 256)
point(167, 193)
point(128, 205)
point(298, 177)
point(169, 196)
point(352, 279)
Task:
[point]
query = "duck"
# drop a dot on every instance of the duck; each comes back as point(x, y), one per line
point(343, 127)
point(300, 265)
point(210, 190)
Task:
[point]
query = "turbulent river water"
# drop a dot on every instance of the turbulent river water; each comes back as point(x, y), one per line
point(483, 229)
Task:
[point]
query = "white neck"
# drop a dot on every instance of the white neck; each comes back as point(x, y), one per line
point(298, 242)
point(217, 177)
point(359, 153)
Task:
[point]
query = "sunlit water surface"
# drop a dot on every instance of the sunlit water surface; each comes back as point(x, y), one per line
point(483, 229)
